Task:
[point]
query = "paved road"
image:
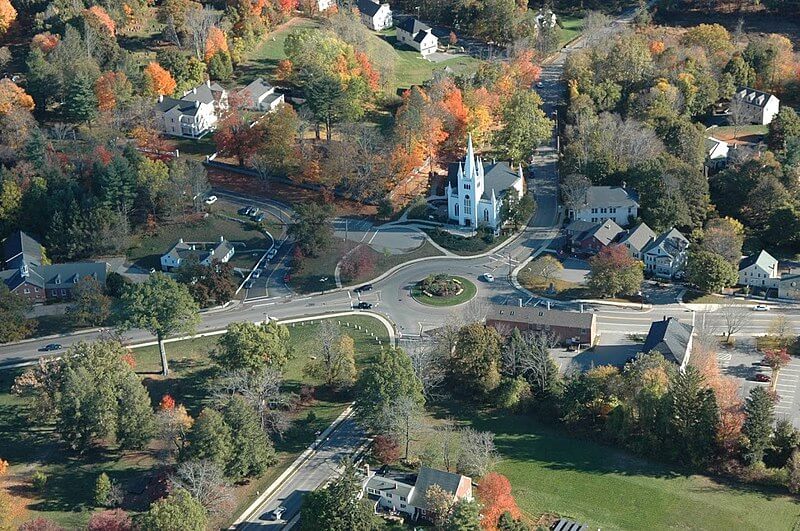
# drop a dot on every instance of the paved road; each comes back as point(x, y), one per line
point(310, 476)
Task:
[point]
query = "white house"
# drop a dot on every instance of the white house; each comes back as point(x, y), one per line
point(637, 239)
point(205, 253)
point(666, 256)
point(755, 106)
point(759, 271)
point(324, 5)
point(261, 96)
point(716, 152)
point(475, 190)
point(672, 339)
point(195, 114)
point(607, 202)
point(419, 36)
point(406, 493)
point(374, 15)
point(546, 18)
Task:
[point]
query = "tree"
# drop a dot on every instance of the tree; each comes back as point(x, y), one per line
point(335, 357)
point(174, 423)
point(516, 210)
point(793, 467)
point(693, 417)
point(385, 449)
point(401, 419)
point(736, 316)
point(102, 490)
point(254, 347)
point(13, 97)
point(215, 42)
point(547, 267)
point(714, 38)
point(7, 16)
point(439, 505)
point(477, 455)
point(220, 66)
point(725, 237)
point(383, 382)
point(210, 439)
point(525, 126)
point(177, 512)
point(494, 493)
point(13, 315)
point(326, 98)
point(235, 137)
point(110, 520)
point(80, 103)
point(614, 272)
point(776, 359)
point(252, 451)
point(162, 307)
point(428, 362)
point(204, 481)
point(40, 524)
point(90, 305)
point(710, 272)
point(759, 418)
point(279, 130)
point(208, 284)
point(311, 228)
point(111, 89)
point(339, 505)
point(158, 82)
point(781, 328)
point(465, 516)
point(784, 126)
point(475, 364)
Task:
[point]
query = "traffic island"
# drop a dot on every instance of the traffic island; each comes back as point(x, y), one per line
point(443, 290)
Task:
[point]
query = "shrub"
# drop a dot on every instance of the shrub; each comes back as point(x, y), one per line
point(102, 490)
point(513, 392)
point(39, 480)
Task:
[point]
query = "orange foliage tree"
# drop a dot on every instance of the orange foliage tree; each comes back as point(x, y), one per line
point(284, 70)
point(7, 16)
point(45, 41)
point(656, 47)
point(102, 18)
point(494, 493)
point(158, 81)
point(287, 6)
point(215, 42)
point(107, 87)
point(167, 403)
point(368, 72)
point(11, 95)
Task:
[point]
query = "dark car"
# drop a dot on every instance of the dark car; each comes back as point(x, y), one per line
point(362, 289)
point(244, 211)
point(51, 346)
point(762, 378)
point(364, 305)
point(259, 218)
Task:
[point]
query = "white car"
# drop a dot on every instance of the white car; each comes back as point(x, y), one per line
point(760, 308)
point(256, 273)
point(277, 513)
point(488, 277)
point(271, 254)
point(539, 84)
point(211, 200)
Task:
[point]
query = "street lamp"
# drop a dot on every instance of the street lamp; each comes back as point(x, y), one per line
point(323, 280)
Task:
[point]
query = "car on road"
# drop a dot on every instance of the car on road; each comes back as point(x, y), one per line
point(254, 210)
point(271, 254)
point(362, 289)
point(762, 378)
point(248, 284)
point(210, 200)
point(363, 305)
point(256, 273)
point(539, 84)
point(760, 308)
point(259, 218)
point(277, 513)
point(488, 277)
point(50, 346)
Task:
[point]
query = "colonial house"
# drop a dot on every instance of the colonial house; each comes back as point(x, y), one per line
point(204, 253)
point(566, 327)
point(637, 239)
point(475, 190)
point(607, 202)
point(195, 114)
point(755, 106)
point(261, 96)
point(374, 15)
point(324, 5)
point(407, 493)
point(25, 272)
point(672, 339)
point(591, 239)
point(666, 256)
point(759, 271)
point(716, 153)
point(419, 36)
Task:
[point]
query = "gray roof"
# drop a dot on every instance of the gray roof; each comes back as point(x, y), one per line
point(66, 275)
point(753, 96)
point(384, 484)
point(638, 237)
point(258, 88)
point(189, 102)
point(615, 196)
point(184, 106)
point(497, 176)
point(412, 26)
point(672, 241)
point(18, 247)
point(542, 316)
point(204, 92)
point(579, 227)
point(764, 260)
point(368, 7)
point(568, 525)
point(671, 338)
point(605, 232)
point(428, 477)
point(182, 250)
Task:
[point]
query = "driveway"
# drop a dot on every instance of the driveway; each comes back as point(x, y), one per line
point(575, 270)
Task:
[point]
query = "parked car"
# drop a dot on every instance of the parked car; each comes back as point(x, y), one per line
point(363, 305)
point(277, 513)
point(271, 254)
point(762, 378)
point(248, 284)
point(362, 289)
point(244, 211)
point(254, 210)
point(50, 346)
point(259, 218)
point(539, 84)
point(210, 200)
point(760, 308)
point(256, 273)
point(488, 277)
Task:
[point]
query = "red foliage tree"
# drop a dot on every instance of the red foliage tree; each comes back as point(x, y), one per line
point(158, 81)
point(287, 6)
point(40, 524)
point(215, 42)
point(368, 72)
point(494, 492)
point(385, 450)
point(107, 88)
point(102, 19)
point(284, 70)
point(45, 41)
point(110, 520)
point(167, 403)
point(358, 263)
point(235, 138)
point(129, 359)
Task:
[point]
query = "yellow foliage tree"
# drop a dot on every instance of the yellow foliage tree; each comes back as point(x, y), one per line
point(7, 15)
point(11, 95)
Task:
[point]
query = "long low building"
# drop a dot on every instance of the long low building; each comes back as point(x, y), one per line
point(567, 327)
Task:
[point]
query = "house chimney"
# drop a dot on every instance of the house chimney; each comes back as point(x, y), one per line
point(366, 469)
point(581, 307)
point(23, 270)
point(624, 184)
point(665, 318)
point(222, 238)
point(180, 240)
point(196, 104)
point(548, 305)
point(208, 83)
point(160, 98)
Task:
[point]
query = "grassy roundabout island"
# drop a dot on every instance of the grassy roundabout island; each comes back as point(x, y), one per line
point(443, 290)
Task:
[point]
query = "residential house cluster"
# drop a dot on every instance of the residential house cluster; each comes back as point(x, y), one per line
point(205, 253)
point(417, 35)
point(763, 271)
point(375, 15)
point(25, 271)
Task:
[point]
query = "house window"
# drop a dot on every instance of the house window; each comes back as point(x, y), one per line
point(467, 186)
point(613, 210)
point(63, 292)
point(467, 203)
point(402, 505)
point(27, 290)
point(602, 210)
point(486, 215)
point(402, 498)
point(36, 290)
point(456, 209)
point(594, 211)
point(388, 495)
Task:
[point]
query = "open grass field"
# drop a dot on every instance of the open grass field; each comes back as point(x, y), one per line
point(67, 498)
point(551, 472)
point(571, 27)
point(264, 60)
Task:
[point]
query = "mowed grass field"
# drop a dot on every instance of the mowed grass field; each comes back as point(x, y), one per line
point(571, 27)
point(551, 472)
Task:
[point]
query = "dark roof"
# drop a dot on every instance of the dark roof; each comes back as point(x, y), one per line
point(638, 237)
point(672, 241)
point(535, 315)
point(671, 338)
point(412, 26)
point(614, 196)
point(182, 250)
point(428, 477)
point(568, 525)
point(497, 176)
point(18, 247)
point(579, 227)
point(764, 260)
point(420, 36)
point(368, 7)
point(753, 96)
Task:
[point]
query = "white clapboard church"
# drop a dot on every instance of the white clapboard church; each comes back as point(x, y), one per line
point(475, 190)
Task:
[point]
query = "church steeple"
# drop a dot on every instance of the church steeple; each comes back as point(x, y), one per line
point(469, 160)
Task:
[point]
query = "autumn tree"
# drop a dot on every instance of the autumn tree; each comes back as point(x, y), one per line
point(776, 359)
point(12, 96)
point(614, 272)
point(215, 42)
point(494, 493)
point(235, 138)
point(335, 357)
point(112, 88)
point(13, 315)
point(7, 16)
point(158, 82)
point(475, 363)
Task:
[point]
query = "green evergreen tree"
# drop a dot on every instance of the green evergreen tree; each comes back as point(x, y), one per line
point(177, 512)
point(252, 450)
point(135, 421)
point(757, 429)
point(80, 102)
point(693, 418)
point(102, 490)
point(210, 439)
point(466, 516)
point(220, 66)
point(506, 522)
point(338, 507)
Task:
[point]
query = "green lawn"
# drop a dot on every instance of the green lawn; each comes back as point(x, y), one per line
point(195, 148)
point(468, 292)
point(562, 289)
point(571, 27)
point(384, 261)
point(264, 59)
point(68, 495)
point(308, 278)
point(610, 489)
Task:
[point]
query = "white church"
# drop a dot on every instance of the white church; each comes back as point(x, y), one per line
point(475, 190)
